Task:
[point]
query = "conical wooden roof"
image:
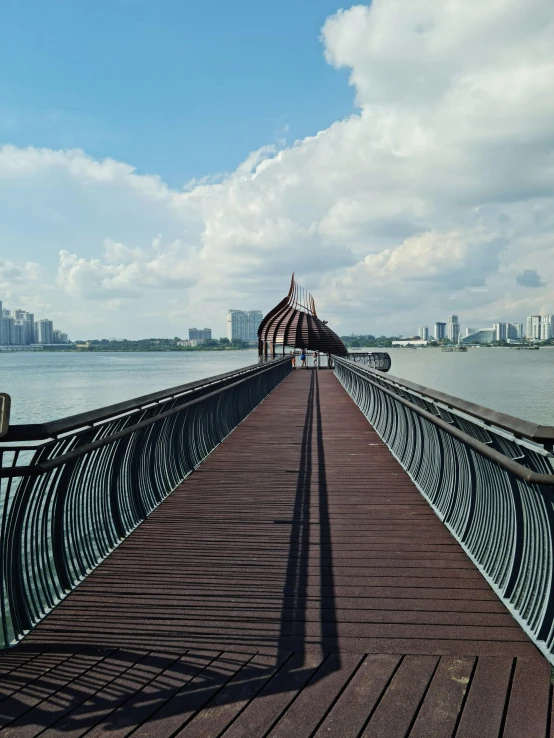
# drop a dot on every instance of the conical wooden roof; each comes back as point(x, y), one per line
point(294, 322)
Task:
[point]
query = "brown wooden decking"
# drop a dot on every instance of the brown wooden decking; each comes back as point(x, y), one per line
point(297, 584)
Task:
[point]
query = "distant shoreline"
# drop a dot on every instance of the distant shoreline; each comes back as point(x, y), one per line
point(104, 350)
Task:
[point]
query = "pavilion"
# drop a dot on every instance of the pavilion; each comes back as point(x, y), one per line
point(294, 323)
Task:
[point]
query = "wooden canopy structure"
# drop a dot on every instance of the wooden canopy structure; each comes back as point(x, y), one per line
point(294, 322)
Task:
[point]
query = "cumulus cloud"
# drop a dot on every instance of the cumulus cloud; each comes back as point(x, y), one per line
point(16, 278)
point(125, 272)
point(529, 278)
point(434, 196)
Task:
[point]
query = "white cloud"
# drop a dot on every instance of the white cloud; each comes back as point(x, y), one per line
point(432, 198)
point(15, 279)
point(125, 272)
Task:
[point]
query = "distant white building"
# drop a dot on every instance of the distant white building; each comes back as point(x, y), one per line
point(255, 317)
point(60, 337)
point(242, 325)
point(423, 332)
point(539, 327)
point(547, 327)
point(508, 331)
point(440, 331)
point(453, 328)
point(44, 331)
point(410, 342)
point(196, 334)
point(485, 335)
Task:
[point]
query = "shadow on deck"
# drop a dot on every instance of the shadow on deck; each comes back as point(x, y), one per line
point(295, 585)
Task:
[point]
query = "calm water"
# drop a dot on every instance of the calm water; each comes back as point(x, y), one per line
point(519, 383)
point(48, 386)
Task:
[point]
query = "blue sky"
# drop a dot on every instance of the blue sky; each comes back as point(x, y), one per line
point(178, 88)
point(396, 156)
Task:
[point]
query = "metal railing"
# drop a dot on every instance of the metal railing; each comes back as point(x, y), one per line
point(488, 476)
point(372, 359)
point(73, 489)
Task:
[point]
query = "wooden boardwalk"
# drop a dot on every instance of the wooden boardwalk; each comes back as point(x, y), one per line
point(297, 584)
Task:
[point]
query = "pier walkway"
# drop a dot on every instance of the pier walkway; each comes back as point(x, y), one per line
point(296, 584)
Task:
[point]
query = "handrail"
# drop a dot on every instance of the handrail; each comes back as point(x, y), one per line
point(67, 500)
point(491, 485)
point(543, 434)
point(4, 413)
point(520, 471)
point(41, 431)
point(41, 468)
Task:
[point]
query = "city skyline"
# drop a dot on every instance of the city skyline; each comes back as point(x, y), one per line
point(19, 328)
point(536, 328)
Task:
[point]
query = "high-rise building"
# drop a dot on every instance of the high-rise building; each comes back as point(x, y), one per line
point(440, 331)
point(59, 337)
point(423, 332)
point(515, 331)
point(242, 325)
point(237, 325)
point(453, 329)
point(539, 327)
point(200, 335)
point(44, 331)
point(19, 334)
point(533, 327)
point(6, 327)
point(255, 317)
point(18, 328)
point(28, 321)
point(508, 331)
point(547, 327)
point(500, 331)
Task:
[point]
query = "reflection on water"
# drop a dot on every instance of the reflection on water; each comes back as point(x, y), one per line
point(46, 386)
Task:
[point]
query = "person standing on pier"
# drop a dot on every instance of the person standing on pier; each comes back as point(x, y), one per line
point(303, 358)
point(316, 360)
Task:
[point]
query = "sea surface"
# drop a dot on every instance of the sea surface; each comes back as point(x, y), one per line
point(520, 383)
point(47, 386)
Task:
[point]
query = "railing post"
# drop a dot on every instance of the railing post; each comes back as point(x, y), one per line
point(5, 403)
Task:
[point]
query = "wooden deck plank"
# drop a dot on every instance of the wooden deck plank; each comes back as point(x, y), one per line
point(234, 697)
point(29, 672)
point(315, 700)
point(351, 711)
point(528, 705)
point(193, 696)
point(485, 706)
point(67, 687)
point(267, 707)
point(400, 702)
point(297, 581)
point(440, 711)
